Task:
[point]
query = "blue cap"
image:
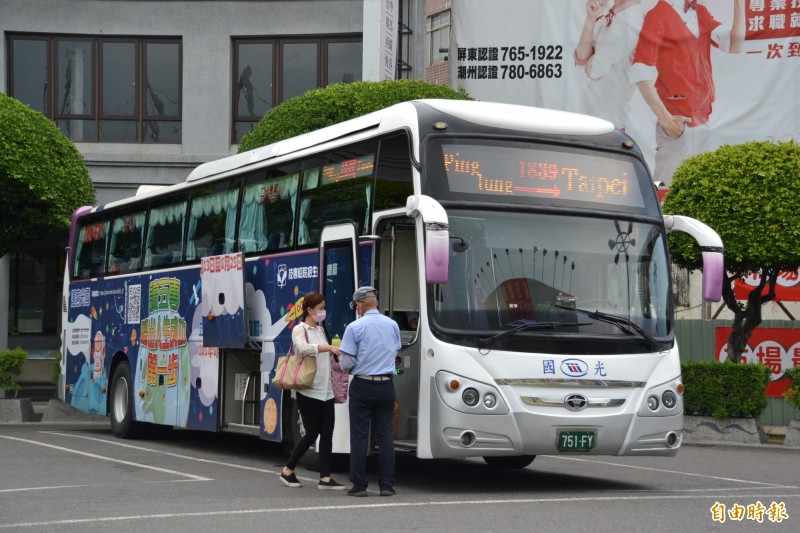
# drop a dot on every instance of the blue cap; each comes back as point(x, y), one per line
point(363, 292)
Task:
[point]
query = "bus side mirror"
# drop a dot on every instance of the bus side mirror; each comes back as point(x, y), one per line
point(437, 236)
point(711, 247)
point(713, 274)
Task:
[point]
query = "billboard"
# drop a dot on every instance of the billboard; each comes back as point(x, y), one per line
point(778, 348)
point(787, 286)
point(678, 75)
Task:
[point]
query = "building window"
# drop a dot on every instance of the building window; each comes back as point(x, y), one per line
point(438, 28)
point(101, 89)
point(270, 71)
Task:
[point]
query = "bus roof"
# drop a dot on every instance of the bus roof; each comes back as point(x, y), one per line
point(503, 116)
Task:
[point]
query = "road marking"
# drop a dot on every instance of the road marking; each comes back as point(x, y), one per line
point(768, 485)
point(110, 459)
point(243, 512)
point(93, 485)
point(266, 471)
point(169, 454)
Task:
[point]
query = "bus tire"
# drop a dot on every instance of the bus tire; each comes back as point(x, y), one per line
point(121, 404)
point(509, 462)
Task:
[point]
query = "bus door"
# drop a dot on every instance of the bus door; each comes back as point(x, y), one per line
point(339, 272)
point(397, 281)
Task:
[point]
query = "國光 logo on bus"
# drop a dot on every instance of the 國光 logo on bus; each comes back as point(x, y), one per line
point(574, 368)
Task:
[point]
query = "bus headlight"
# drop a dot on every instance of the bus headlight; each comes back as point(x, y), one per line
point(664, 399)
point(489, 400)
point(652, 403)
point(470, 397)
point(669, 399)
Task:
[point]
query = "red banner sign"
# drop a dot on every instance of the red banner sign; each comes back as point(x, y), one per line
point(787, 289)
point(778, 348)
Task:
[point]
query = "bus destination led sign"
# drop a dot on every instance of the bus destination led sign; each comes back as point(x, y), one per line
point(556, 175)
point(349, 169)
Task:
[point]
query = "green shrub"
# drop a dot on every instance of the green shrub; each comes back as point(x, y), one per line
point(793, 391)
point(724, 390)
point(11, 362)
point(336, 103)
point(43, 177)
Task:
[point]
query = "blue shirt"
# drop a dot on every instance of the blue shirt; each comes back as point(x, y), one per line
point(370, 344)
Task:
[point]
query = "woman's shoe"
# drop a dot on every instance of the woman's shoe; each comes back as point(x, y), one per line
point(331, 484)
point(291, 480)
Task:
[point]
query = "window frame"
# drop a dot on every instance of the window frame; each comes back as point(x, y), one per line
point(433, 27)
point(278, 42)
point(96, 116)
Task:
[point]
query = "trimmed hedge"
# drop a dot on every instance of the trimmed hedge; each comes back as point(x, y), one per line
point(43, 177)
point(724, 390)
point(11, 362)
point(750, 194)
point(336, 103)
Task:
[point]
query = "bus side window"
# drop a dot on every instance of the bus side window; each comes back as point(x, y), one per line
point(165, 235)
point(268, 212)
point(280, 201)
point(212, 224)
point(125, 249)
point(393, 180)
point(341, 189)
point(90, 250)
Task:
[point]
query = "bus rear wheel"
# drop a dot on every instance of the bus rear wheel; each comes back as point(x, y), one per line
point(121, 411)
point(513, 461)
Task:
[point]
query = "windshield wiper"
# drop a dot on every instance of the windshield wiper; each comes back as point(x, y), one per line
point(620, 322)
point(526, 324)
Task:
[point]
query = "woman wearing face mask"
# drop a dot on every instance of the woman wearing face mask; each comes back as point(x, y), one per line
point(316, 403)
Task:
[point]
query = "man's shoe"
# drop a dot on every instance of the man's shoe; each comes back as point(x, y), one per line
point(290, 480)
point(359, 491)
point(331, 484)
point(387, 490)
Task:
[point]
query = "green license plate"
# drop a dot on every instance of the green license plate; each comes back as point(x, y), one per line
point(576, 441)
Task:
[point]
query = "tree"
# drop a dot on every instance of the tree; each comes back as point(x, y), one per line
point(43, 178)
point(750, 194)
point(337, 103)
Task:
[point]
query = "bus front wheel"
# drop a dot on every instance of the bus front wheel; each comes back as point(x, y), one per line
point(121, 412)
point(513, 461)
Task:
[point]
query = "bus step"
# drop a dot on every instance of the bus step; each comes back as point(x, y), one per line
point(243, 428)
point(405, 445)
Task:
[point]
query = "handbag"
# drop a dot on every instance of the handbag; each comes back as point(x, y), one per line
point(340, 380)
point(295, 371)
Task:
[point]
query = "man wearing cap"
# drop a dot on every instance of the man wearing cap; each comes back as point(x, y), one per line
point(368, 350)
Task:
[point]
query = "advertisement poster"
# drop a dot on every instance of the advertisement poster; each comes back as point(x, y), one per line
point(713, 72)
point(778, 348)
point(787, 288)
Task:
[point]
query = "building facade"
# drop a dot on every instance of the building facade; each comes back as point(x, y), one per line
point(149, 89)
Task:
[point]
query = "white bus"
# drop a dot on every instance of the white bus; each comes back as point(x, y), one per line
point(522, 251)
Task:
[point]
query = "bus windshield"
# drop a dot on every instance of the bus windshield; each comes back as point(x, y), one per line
point(509, 269)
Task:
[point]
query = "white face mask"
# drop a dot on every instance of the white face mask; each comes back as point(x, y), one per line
point(320, 316)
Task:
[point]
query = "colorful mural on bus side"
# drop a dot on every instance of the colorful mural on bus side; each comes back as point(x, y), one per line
point(156, 321)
